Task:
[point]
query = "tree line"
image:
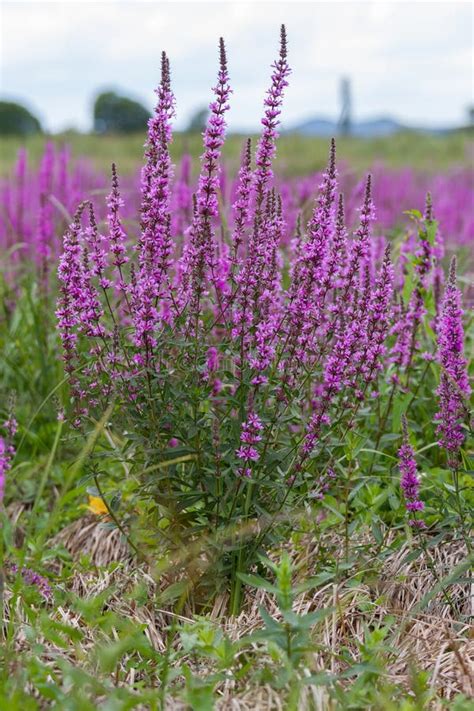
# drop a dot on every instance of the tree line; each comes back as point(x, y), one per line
point(112, 113)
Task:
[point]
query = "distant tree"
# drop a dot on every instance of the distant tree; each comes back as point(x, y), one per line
point(118, 114)
point(15, 119)
point(197, 124)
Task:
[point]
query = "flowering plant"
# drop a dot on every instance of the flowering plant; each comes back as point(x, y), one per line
point(236, 368)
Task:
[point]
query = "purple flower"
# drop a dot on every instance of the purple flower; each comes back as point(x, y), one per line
point(212, 359)
point(117, 236)
point(89, 308)
point(378, 315)
point(324, 484)
point(71, 298)
point(213, 137)
point(98, 257)
point(7, 451)
point(337, 256)
point(409, 482)
point(20, 175)
point(411, 317)
point(249, 453)
point(241, 206)
point(199, 257)
point(5, 458)
point(310, 274)
point(254, 422)
point(32, 578)
point(249, 436)
point(45, 226)
point(360, 247)
point(155, 246)
point(270, 121)
point(454, 386)
point(182, 198)
point(257, 311)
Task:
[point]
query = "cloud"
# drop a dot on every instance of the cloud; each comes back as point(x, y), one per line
point(412, 60)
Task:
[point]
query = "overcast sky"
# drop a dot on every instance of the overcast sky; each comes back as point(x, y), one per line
point(411, 60)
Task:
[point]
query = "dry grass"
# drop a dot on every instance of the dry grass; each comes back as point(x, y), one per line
point(429, 635)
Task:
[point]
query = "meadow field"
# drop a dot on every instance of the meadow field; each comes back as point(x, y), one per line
point(236, 426)
point(297, 155)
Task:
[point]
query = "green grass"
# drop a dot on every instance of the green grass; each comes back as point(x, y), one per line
point(297, 155)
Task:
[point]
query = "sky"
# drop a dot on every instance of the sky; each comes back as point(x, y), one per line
point(410, 60)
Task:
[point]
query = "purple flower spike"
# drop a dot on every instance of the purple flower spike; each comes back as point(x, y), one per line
point(250, 436)
point(97, 253)
point(71, 295)
point(361, 245)
point(45, 226)
point(30, 577)
point(5, 459)
point(7, 451)
point(117, 234)
point(155, 245)
point(270, 121)
point(454, 386)
point(200, 254)
point(207, 204)
point(241, 207)
point(410, 482)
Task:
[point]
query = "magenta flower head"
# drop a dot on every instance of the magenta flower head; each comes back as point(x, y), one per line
point(71, 287)
point(45, 221)
point(378, 321)
point(212, 359)
point(410, 482)
point(214, 134)
point(154, 248)
point(361, 244)
point(321, 225)
point(159, 136)
point(199, 255)
point(250, 436)
point(454, 388)
point(7, 452)
point(338, 250)
point(272, 103)
point(97, 253)
point(241, 206)
point(4, 466)
point(38, 581)
point(117, 235)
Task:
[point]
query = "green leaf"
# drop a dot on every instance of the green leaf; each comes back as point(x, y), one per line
point(414, 214)
point(308, 620)
point(255, 581)
point(377, 532)
point(400, 404)
point(431, 228)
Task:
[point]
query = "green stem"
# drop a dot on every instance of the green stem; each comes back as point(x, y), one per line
point(462, 517)
point(116, 521)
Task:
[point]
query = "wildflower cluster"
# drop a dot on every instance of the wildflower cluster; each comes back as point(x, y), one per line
point(38, 201)
point(216, 311)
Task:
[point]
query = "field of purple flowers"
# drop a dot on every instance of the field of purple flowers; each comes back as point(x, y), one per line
point(235, 461)
point(38, 202)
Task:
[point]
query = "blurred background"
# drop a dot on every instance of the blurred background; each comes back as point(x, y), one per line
point(392, 79)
